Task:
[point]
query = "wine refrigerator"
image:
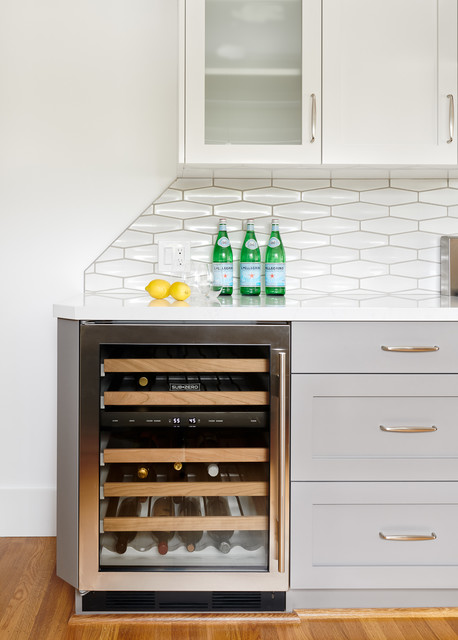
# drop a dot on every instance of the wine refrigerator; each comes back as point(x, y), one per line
point(173, 466)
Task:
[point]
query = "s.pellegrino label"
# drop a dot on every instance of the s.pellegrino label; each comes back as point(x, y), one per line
point(250, 263)
point(275, 267)
point(222, 261)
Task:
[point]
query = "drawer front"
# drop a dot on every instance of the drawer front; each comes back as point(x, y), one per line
point(374, 427)
point(373, 347)
point(374, 535)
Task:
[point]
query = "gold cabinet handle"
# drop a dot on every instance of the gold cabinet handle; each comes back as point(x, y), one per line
point(408, 429)
point(313, 96)
point(281, 462)
point(408, 538)
point(409, 349)
point(451, 118)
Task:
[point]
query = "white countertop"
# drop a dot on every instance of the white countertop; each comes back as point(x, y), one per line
point(335, 307)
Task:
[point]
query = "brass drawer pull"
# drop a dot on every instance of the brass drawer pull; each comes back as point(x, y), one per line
point(410, 349)
point(411, 538)
point(408, 429)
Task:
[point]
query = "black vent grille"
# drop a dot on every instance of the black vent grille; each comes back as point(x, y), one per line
point(182, 601)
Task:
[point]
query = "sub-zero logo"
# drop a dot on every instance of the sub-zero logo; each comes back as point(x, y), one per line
point(188, 386)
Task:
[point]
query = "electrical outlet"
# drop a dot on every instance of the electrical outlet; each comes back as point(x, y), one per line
point(174, 257)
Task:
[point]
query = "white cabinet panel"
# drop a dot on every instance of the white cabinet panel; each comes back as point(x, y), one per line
point(251, 71)
point(336, 541)
point(388, 69)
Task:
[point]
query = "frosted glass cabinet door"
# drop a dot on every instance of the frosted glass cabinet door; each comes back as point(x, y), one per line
point(389, 81)
point(253, 79)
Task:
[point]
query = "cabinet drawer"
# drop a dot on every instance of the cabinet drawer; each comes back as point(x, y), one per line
point(341, 535)
point(373, 347)
point(374, 427)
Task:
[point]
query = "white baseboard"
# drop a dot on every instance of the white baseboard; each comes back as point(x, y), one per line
point(27, 511)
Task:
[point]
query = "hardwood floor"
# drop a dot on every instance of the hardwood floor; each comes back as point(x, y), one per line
point(36, 605)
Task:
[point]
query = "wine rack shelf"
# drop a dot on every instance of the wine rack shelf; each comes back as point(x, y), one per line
point(190, 523)
point(186, 365)
point(186, 398)
point(141, 489)
point(232, 454)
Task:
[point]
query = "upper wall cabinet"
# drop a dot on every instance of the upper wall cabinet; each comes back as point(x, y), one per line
point(389, 81)
point(253, 81)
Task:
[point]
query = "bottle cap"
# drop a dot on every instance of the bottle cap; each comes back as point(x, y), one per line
point(177, 466)
point(212, 469)
point(142, 472)
point(224, 547)
point(222, 220)
point(143, 381)
point(163, 547)
point(275, 221)
point(250, 221)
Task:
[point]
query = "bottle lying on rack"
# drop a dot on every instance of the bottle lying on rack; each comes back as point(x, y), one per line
point(190, 507)
point(218, 506)
point(130, 508)
point(145, 473)
point(163, 507)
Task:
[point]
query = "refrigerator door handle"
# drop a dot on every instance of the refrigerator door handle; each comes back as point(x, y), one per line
point(281, 461)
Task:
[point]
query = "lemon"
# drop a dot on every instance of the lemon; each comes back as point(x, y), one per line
point(158, 288)
point(180, 290)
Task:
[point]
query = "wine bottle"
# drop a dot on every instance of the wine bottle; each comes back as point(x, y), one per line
point(190, 507)
point(222, 261)
point(163, 507)
point(275, 274)
point(250, 263)
point(217, 506)
point(130, 508)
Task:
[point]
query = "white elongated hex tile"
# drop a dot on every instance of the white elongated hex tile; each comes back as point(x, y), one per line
point(301, 185)
point(418, 211)
point(304, 240)
point(389, 225)
point(202, 253)
point(447, 197)
point(271, 196)
point(112, 253)
point(147, 253)
point(432, 254)
point(360, 269)
point(431, 284)
point(133, 239)
point(124, 268)
point(360, 211)
point(360, 185)
point(360, 240)
point(387, 284)
point(182, 209)
point(286, 225)
point(389, 254)
point(99, 282)
point(416, 269)
point(330, 254)
point(242, 184)
point(305, 269)
point(453, 211)
point(155, 224)
point(207, 224)
point(415, 184)
point(242, 210)
point(330, 196)
point(169, 196)
point(212, 195)
point(415, 240)
point(185, 236)
point(301, 210)
point(330, 225)
point(389, 196)
point(329, 284)
point(191, 183)
point(442, 226)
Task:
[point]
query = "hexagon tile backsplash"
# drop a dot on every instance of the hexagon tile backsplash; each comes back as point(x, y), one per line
point(357, 238)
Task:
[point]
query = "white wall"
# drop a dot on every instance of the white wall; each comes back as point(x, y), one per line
point(88, 120)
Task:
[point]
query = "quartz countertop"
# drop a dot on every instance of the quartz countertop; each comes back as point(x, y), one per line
point(307, 307)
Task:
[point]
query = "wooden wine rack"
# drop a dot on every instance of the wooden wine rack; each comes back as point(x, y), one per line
point(189, 523)
point(183, 398)
point(186, 365)
point(210, 454)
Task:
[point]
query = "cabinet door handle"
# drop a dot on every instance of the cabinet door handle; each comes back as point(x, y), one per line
point(451, 117)
point(313, 96)
point(408, 429)
point(281, 462)
point(410, 349)
point(411, 538)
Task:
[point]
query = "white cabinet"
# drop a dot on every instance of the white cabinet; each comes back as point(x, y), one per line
point(389, 81)
point(253, 81)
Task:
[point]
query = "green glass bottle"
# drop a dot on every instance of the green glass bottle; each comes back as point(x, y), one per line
point(275, 273)
point(250, 263)
point(222, 261)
